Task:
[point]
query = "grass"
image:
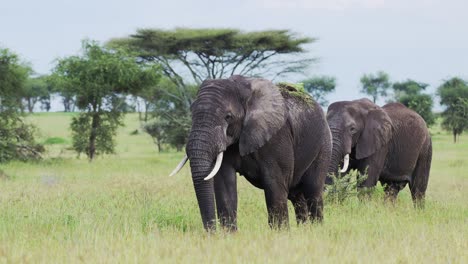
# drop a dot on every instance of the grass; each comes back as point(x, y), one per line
point(124, 209)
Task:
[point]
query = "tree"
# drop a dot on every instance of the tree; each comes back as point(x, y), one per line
point(16, 137)
point(375, 85)
point(319, 87)
point(454, 95)
point(410, 94)
point(36, 90)
point(218, 53)
point(189, 56)
point(99, 79)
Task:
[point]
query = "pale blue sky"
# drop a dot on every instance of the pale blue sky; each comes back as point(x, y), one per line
point(426, 40)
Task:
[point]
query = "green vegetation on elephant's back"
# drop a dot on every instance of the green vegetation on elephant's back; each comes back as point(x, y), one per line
point(296, 90)
point(124, 208)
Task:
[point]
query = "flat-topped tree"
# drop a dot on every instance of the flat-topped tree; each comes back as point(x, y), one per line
point(100, 79)
point(218, 53)
point(189, 56)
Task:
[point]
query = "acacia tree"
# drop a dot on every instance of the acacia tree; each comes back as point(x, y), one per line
point(16, 137)
point(454, 95)
point(189, 56)
point(319, 87)
point(375, 85)
point(410, 94)
point(100, 79)
point(36, 90)
point(218, 53)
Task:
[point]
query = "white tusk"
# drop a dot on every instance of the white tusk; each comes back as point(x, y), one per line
point(219, 160)
point(181, 164)
point(345, 163)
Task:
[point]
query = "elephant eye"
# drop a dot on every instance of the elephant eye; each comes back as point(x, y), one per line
point(228, 117)
point(352, 130)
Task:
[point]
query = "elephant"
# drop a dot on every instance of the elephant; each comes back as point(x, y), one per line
point(391, 142)
point(261, 131)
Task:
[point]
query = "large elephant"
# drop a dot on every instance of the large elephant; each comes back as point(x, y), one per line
point(391, 142)
point(276, 137)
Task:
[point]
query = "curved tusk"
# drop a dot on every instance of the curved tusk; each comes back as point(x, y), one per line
point(181, 164)
point(345, 163)
point(219, 160)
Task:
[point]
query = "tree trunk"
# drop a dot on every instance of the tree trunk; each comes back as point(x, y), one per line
point(146, 111)
point(30, 105)
point(454, 136)
point(66, 105)
point(93, 135)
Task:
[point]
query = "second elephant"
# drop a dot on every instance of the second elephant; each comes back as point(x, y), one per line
point(391, 142)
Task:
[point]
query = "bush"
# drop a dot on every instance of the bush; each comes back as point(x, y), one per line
point(17, 139)
point(345, 186)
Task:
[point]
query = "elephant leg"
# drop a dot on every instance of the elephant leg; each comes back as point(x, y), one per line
point(225, 185)
point(277, 205)
point(420, 177)
point(372, 167)
point(392, 189)
point(313, 184)
point(300, 207)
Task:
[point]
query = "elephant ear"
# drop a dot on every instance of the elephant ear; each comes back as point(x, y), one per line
point(265, 114)
point(377, 132)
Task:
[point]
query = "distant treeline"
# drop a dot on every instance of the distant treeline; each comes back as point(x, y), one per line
point(157, 72)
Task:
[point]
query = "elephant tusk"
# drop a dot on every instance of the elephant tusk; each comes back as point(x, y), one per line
point(345, 163)
point(219, 160)
point(181, 164)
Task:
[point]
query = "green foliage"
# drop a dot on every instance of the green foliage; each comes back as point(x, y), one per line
point(410, 94)
point(454, 95)
point(13, 75)
point(99, 80)
point(156, 130)
point(296, 90)
point(344, 187)
point(218, 53)
point(104, 133)
point(16, 137)
point(37, 90)
point(408, 87)
point(375, 85)
point(421, 104)
point(319, 87)
point(64, 88)
point(170, 113)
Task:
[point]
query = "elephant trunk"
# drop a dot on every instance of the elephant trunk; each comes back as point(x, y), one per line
point(202, 153)
point(337, 155)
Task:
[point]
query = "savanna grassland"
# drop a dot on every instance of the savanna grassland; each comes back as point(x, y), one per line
point(123, 208)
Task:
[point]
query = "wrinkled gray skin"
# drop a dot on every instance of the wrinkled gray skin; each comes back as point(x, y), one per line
point(265, 137)
point(392, 141)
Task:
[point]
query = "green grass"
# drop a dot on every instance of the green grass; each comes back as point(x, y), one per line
point(124, 209)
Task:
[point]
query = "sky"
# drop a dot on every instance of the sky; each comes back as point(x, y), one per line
point(425, 40)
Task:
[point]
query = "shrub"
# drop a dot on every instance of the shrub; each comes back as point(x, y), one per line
point(345, 186)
